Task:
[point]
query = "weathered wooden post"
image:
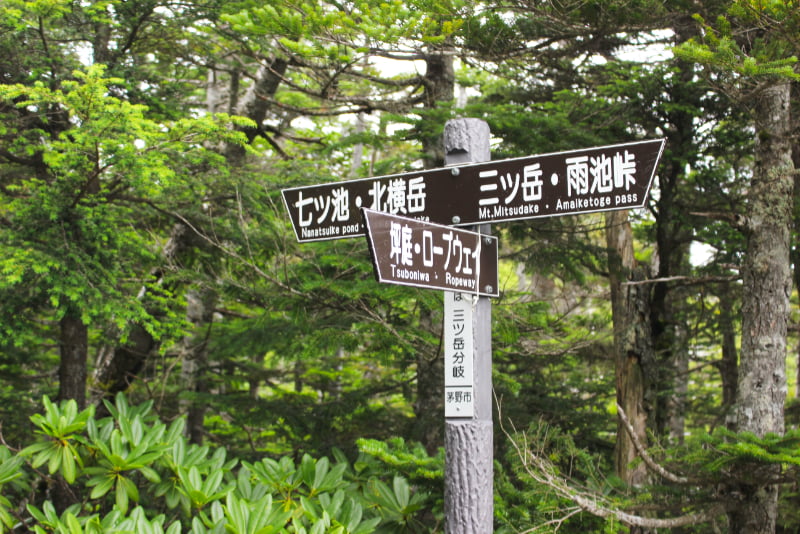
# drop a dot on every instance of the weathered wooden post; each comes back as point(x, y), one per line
point(468, 491)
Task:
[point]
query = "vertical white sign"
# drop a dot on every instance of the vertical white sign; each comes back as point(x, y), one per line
point(459, 379)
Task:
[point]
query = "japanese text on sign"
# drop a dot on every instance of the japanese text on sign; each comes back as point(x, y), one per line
point(592, 183)
point(320, 213)
point(577, 181)
point(458, 355)
point(411, 252)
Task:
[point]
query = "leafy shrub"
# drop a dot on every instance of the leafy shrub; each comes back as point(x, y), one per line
point(131, 472)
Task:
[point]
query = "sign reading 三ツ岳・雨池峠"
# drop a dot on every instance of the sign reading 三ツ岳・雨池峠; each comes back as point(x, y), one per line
point(577, 181)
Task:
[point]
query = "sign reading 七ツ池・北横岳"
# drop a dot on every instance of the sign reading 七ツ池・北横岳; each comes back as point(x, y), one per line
point(577, 181)
point(409, 252)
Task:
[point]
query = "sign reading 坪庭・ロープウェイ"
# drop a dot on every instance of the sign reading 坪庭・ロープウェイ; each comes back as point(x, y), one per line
point(410, 252)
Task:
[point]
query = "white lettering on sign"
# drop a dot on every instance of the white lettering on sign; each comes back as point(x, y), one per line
point(415, 198)
point(399, 196)
point(593, 182)
point(511, 186)
point(403, 195)
point(584, 203)
point(400, 251)
point(498, 212)
point(458, 354)
point(600, 174)
point(406, 251)
point(459, 281)
point(410, 274)
point(406, 247)
point(429, 250)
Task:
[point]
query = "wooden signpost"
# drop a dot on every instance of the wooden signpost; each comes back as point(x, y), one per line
point(408, 220)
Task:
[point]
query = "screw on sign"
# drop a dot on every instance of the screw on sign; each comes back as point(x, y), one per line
point(406, 251)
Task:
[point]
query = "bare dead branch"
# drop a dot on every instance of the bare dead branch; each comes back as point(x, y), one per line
point(644, 455)
point(540, 469)
point(688, 280)
point(738, 221)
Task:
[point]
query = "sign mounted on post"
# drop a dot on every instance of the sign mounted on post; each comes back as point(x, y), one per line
point(564, 183)
point(410, 252)
point(459, 355)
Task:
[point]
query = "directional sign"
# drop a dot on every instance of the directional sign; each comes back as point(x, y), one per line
point(410, 252)
point(563, 183)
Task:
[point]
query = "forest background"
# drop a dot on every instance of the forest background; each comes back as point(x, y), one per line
point(214, 374)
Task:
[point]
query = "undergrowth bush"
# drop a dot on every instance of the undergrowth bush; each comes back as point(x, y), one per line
point(131, 472)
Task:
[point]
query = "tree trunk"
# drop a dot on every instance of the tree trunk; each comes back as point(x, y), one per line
point(634, 360)
point(673, 237)
point(116, 367)
point(669, 333)
point(440, 87)
point(254, 104)
point(429, 405)
point(199, 312)
point(765, 304)
point(728, 365)
point(74, 349)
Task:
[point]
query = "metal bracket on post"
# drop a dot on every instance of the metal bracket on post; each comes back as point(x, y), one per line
point(468, 478)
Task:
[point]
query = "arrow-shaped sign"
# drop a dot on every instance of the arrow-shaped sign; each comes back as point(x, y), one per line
point(410, 252)
point(564, 183)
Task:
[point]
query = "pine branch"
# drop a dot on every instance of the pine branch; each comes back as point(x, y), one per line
point(541, 470)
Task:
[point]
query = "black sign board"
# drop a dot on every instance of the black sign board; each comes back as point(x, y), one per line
point(577, 181)
point(411, 252)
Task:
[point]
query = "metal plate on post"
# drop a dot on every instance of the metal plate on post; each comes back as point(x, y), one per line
point(409, 252)
point(459, 375)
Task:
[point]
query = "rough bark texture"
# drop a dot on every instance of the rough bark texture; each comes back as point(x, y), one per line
point(194, 355)
point(74, 349)
point(765, 303)
point(634, 360)
point(254, 104)
point(72, 374)
point(468, 477)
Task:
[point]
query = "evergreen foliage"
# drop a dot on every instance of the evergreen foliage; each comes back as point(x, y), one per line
point(271, 386)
